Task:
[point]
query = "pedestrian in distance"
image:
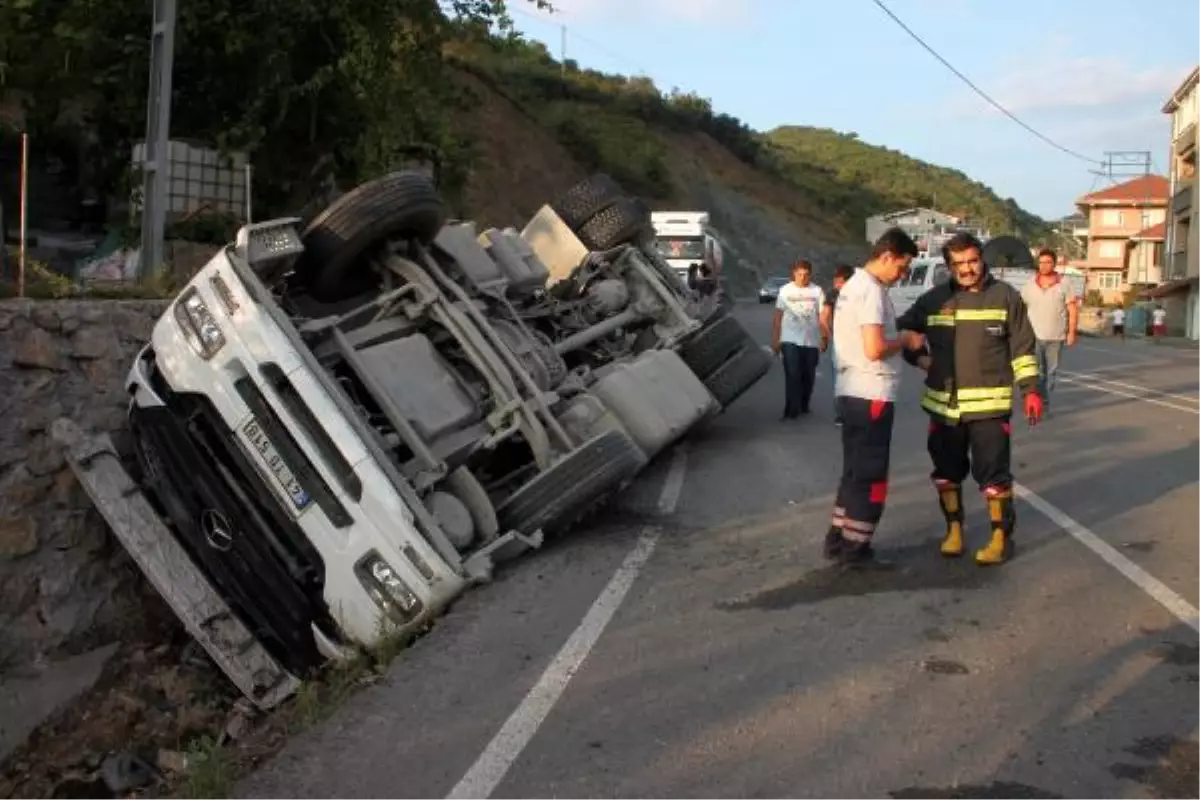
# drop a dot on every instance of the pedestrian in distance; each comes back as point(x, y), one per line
point(1053, 310)
point(1158, 322)
point(796, 337)
point(841, 274)
point(1118, 322)
point(866, 340)
point(978, 341)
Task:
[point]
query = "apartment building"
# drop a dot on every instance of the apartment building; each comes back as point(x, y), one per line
point(1181, 262)
point(1121, 229)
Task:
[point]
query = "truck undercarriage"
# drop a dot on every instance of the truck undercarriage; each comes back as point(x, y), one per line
point(345, 427)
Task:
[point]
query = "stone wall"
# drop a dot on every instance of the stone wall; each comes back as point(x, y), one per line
point(65, 583)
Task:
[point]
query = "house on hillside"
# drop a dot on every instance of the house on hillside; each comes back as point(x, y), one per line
point(1121, 222)
point(929, 227)
point(1181, 263)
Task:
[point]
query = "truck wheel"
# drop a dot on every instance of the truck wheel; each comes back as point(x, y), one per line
point(398, 205)
point(555, 497)
point(738, 374)
point(585, 199)
point(622, 221)
point(711, 346)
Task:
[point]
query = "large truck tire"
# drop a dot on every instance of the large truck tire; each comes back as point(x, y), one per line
point(586, 199)
point(706, 350)
point(581, 479)
point(397, 205)
point(623, 221)
point(738, 374)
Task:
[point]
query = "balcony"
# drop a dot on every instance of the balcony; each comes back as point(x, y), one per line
point(1182, 200)
point(1185, 140)
point(1176, 266)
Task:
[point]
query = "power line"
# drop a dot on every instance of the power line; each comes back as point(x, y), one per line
point(981, 92)
point(574, 33)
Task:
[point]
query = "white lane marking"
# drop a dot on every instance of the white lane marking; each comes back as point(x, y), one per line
point(1102, 379)
point(506, 746)
point(1110, 390)
point(1137, 350)
point(1171, 601)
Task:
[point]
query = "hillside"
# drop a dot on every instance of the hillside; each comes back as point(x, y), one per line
point(535, 127)
point(335, 97)
point(855, 180)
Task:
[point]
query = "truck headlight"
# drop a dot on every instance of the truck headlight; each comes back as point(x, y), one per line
point(387, 588)
point(199, 325)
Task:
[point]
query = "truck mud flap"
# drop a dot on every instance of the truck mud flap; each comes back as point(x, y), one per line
point(707, 350)
point(170, 570)
point(738, 374)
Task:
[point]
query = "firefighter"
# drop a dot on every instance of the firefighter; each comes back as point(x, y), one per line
point(977, 342)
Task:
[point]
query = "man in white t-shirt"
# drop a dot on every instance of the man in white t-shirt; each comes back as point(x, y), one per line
point(796, 337)
point(1118, 322)
point(867, 342)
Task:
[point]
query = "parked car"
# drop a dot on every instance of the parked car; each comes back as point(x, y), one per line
point(769, 291)
point(347, 426)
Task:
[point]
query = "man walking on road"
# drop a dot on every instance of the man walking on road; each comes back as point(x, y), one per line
point(978, 341)
point(841, 274)
point(865, 339)
point(1053, 311)
point(796, 336)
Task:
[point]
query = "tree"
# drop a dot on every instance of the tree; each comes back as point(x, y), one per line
point(287, 80)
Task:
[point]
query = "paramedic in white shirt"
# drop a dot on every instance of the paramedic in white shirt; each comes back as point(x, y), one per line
point(796, 337)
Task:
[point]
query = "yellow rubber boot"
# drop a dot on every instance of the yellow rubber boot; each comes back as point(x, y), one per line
point(950, 497)
point(999, 547)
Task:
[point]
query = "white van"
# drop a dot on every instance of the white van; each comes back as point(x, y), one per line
point(925, 273)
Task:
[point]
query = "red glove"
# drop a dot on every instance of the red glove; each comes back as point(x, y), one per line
point(1033, 408)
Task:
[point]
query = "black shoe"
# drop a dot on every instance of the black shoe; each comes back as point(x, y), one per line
point(837, 421)
point(863, 557)
point(834, 543)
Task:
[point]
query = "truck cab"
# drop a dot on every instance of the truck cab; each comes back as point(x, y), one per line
point(683, 238)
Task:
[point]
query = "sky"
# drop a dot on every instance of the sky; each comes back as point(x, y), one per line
point(1092, 75)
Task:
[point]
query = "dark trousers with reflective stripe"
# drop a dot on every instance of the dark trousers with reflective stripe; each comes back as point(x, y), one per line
point(866, 456)
point(982, 448)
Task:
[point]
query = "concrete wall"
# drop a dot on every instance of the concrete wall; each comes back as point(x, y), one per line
point(65, 584)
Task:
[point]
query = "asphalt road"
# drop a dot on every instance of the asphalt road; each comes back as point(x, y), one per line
point(692, 642)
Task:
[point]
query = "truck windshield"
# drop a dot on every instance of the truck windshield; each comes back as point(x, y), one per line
point(690, 248)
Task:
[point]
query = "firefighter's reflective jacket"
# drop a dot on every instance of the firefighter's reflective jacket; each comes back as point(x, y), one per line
point(980, 343)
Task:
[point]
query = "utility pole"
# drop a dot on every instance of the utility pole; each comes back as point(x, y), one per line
point(156, 156)
point(562, 54)
point(1130, 164)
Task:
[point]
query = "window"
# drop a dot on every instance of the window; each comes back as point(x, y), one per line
point(1111, 250)
point(1109, 281)
point(689, 248)
point(1114, 219)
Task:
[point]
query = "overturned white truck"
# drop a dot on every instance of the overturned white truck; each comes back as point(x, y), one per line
point(345, 426)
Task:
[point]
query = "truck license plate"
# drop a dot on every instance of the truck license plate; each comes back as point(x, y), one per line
point(270, 456)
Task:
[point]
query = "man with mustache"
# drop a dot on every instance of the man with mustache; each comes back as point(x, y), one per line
point(978, 341)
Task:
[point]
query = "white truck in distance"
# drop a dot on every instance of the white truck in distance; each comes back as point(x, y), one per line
point(684, 238)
